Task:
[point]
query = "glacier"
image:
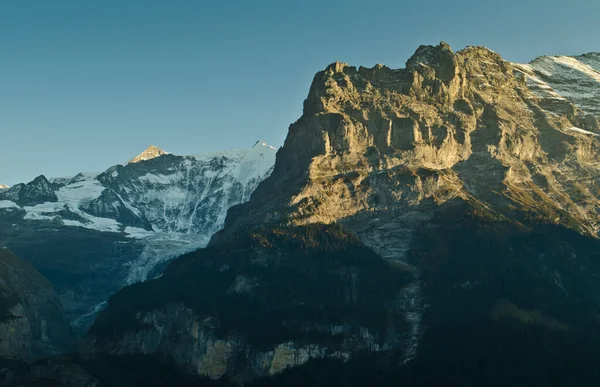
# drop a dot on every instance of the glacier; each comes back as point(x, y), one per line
point(163, 204)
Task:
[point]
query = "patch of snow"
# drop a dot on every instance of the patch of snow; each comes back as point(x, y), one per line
point(137, 233)
point(89, 315)
point(244, 164)
point(8, 204)
point(81, 190)
point(573, 65)
point(579, 130)
point(99, 224)
point(161, 179)
point(575, 79)
point(159, 248)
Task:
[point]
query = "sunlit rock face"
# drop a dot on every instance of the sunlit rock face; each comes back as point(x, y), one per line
point(150, 153)
point(463, 125)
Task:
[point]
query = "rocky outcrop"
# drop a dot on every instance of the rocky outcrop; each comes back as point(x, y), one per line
point(199, 350)
point(32, 323)
point(270, 300)
point(38, 191)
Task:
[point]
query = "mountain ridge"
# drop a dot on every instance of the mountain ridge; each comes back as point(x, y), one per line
point(131, 218)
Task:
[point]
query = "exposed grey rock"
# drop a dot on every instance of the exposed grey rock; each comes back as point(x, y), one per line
point(452, 125)
point(36, 192)
point(110, 205)
point(32, 323)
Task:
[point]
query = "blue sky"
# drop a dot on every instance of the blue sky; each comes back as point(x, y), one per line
point(88, 84)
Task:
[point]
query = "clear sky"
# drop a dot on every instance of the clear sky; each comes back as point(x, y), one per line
point(88, 84)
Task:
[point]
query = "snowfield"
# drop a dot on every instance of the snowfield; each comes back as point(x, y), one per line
point(575, 79)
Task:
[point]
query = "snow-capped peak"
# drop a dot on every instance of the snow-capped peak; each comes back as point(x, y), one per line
point(2, 186)
point(568, 78)
point(151, 152)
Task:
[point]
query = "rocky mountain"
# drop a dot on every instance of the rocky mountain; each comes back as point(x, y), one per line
point(151, 152)
point(438, 215)
point(36, 192)
point(93, 233)
point(32, 324)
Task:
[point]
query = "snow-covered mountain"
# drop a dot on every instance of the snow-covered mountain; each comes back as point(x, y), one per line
point(159, 193)
point(160, 205)
point(2, 186)
point(575, 79)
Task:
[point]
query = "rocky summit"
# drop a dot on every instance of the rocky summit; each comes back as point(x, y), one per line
point(151, 152)
point(463, 125)
point(466, 183)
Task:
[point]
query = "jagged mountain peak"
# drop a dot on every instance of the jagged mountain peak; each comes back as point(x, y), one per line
point(428, 55)
point(450, 112)
point(151, 152)
point(41, 179)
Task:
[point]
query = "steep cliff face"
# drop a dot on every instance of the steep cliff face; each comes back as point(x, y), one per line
point(451, 125)
point(269, 300)
point(32, 323)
